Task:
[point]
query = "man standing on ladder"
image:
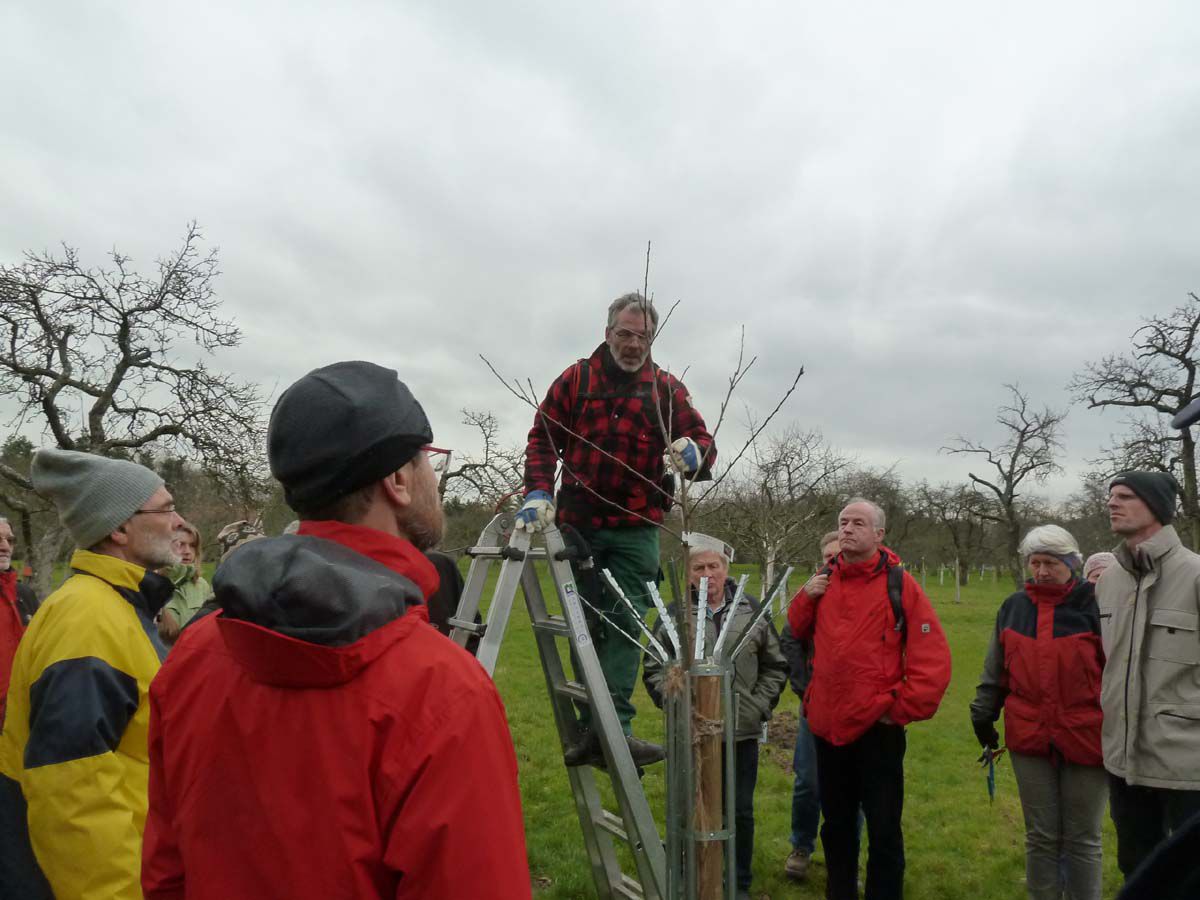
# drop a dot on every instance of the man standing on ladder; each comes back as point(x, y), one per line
point(611, 418)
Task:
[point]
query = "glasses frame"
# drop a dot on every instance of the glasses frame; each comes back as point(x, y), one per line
point(439, 457)
point(154, 512)
point(625, 334)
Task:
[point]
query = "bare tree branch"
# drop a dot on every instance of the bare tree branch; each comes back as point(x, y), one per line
point(1028, 451)
point(1157, 378)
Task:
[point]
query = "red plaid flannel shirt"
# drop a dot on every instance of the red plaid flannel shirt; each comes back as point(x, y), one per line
point(616, 417)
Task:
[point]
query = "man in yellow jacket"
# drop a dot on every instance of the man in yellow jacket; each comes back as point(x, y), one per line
point(73, 754)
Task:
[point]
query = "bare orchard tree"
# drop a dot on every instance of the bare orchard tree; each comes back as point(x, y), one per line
point(781, 502)
point(1027, 453)
point(90, 356)
point(1155, 380)
point(486, 477)
point(960, 512)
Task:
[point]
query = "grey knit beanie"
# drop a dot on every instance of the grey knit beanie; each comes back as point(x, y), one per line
point(93, 494)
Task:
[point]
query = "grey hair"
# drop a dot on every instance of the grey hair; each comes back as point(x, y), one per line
point(625, 301)
point(1050, 539)
point(3, 520)
point(880, 515)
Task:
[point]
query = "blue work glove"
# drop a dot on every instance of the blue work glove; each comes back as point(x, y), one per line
point(685, 455)
point(537, 513)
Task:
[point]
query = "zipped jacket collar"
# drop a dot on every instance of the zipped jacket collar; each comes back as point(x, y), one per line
point(147, 591)
point(1050, 594)
point(1146, 558)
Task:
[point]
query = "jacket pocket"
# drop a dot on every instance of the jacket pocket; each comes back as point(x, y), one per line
point(1173, 637)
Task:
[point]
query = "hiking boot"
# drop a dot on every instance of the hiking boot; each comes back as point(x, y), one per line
point(585, 751)
point(643, 752)
point(796, 867)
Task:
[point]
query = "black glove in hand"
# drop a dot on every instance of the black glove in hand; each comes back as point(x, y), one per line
point(988, 736)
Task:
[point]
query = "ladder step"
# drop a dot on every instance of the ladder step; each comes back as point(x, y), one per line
point(555, 625)
point(504, 552)
point(613, 824)
point(471, 627)
point(629, 888)
point(573, 690)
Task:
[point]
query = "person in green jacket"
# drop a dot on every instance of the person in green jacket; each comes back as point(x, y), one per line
point(760, 673)
point(191, 590)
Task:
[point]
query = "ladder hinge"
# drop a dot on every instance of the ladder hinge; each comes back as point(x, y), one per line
point(471, 627)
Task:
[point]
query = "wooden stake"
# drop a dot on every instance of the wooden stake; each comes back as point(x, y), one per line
point(709, 786)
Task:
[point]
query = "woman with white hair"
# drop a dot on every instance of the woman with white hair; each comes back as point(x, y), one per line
point(1043, 668)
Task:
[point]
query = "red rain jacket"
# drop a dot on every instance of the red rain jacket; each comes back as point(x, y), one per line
point(335, 746)
point(12, 626)
point(1044, 664)
point(862, 668)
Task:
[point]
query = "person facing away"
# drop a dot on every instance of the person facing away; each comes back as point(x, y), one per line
point(806, 796)
point(191, 589)
point(1150, 622)
point(316, 737)
point(1096, 564)
point(73, 767)
point(759, 676)
point(18, 603)
point(611, 418)
point(873, 673)
point(1043, 668)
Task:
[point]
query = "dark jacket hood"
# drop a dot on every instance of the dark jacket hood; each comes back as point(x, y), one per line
point(307, 612)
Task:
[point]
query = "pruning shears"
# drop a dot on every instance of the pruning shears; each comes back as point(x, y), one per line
point(987, 760)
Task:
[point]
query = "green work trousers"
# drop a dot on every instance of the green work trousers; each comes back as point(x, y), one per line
point(631, 554)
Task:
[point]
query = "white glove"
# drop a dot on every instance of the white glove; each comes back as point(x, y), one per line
point(537, 513)
point(684, 455)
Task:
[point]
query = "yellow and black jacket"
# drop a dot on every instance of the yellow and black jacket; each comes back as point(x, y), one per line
point(73, 753)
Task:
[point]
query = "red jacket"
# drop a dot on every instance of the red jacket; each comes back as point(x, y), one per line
point(1044, 665)
point(12, 626)
point(319, 739)
point(862, 667)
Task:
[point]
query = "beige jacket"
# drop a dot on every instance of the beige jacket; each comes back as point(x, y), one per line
point(1150, 625)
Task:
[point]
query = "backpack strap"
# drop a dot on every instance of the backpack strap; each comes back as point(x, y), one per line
point(895, 589)
point(579, 387)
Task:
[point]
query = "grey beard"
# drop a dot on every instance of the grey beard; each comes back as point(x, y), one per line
point(161, 557)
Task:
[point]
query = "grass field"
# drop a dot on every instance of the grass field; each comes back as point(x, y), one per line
point(958, 844)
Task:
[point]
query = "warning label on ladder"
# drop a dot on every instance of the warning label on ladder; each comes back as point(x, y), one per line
point(574, 610)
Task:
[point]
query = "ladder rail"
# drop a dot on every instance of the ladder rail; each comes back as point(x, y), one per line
point(468, 604)
point(648, 851)
point(635, 825)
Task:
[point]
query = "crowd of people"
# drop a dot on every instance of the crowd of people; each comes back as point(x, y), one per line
point(302, 727)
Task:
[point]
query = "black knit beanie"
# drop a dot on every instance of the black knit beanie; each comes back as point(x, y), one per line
point(1157, 490)
point(339, 428)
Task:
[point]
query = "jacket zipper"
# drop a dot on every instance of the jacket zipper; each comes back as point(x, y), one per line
point(1137, 594)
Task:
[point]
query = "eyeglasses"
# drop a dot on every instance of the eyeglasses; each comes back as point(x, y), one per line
point(154, 512)
point(624, 334)
point(439, 458)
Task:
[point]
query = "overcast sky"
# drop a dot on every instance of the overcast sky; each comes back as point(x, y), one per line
point(917, 202)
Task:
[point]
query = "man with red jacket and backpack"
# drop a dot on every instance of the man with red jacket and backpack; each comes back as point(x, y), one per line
point(18, 603)
point(317, 737)
point(610, 419)
point(880, 661)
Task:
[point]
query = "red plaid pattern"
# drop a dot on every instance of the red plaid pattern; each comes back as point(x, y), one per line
point(614, 418)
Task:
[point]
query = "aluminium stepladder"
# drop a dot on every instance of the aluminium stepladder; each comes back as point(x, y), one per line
point(632, 823)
